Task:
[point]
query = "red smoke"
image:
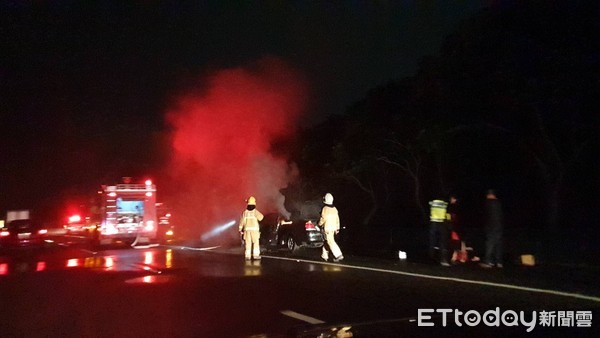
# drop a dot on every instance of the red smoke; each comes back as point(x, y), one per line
point(221, 141)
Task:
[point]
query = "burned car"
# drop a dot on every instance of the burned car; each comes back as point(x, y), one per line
point(277, 232)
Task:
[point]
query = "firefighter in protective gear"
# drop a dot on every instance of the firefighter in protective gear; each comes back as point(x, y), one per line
point(250, 229)
point(439, 234)
point(330, 222)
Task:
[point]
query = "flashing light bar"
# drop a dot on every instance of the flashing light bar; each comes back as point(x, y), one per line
point(4, 269)
point(74, 219)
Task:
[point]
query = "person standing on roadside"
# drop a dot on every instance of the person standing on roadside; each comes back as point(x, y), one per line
point(453, 229)
point(250, 229)
point(439, 235)
point(494, 229)
point(330, 221)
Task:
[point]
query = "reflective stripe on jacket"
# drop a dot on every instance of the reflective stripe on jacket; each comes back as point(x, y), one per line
point(250, 219)
point(438, 211)
point(330, 219)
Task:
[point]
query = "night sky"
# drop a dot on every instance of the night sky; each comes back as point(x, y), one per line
point(87, 88)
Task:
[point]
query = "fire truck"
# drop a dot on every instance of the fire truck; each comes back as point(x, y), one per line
point(128, 213)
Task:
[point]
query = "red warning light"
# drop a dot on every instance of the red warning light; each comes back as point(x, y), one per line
point(74, 219)
point(148, 182)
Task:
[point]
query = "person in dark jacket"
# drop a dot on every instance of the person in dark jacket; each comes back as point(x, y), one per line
point(494, 228)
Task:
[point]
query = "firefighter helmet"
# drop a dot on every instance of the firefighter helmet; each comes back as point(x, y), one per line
point(251, 200)
point(328, 199)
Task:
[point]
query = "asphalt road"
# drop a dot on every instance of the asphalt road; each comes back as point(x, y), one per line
point(74, 290)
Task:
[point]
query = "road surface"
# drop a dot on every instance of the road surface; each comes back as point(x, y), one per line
point(70, 289)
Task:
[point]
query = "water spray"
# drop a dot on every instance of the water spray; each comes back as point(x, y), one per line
point(218, 230)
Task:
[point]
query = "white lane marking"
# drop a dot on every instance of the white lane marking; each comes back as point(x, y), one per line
point(191, 248)
point(198, 249)
point(302, 317)
point(453, 279)
point(145, 267)
point(145, 246)
point(89, 251)
point(76, 236)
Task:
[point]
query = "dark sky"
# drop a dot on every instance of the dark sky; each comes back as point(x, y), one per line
point(84, 85)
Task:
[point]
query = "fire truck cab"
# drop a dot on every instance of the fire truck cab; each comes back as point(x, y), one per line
point(129, 213)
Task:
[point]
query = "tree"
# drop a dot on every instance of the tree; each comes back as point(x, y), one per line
point(529, 69)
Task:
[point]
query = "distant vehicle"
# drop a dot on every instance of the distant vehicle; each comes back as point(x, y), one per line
point(12, 215)
point(78, 225)
point(22, 232)
point(277, 232)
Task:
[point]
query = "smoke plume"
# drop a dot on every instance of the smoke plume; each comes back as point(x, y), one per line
point(222, 135)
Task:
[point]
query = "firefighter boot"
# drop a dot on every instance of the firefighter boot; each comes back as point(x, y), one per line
point(256, 252)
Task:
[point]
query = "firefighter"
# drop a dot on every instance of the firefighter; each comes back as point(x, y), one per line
point(438, 231)
point(330, 222)
point(249, 228)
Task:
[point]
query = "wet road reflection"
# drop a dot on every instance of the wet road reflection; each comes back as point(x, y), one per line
point(212, 262)
point(188, 292)
point(252, 268)
point(29, 261)
point(151, 279)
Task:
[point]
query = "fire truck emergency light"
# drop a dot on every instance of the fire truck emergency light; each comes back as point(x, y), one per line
point(74, 219)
